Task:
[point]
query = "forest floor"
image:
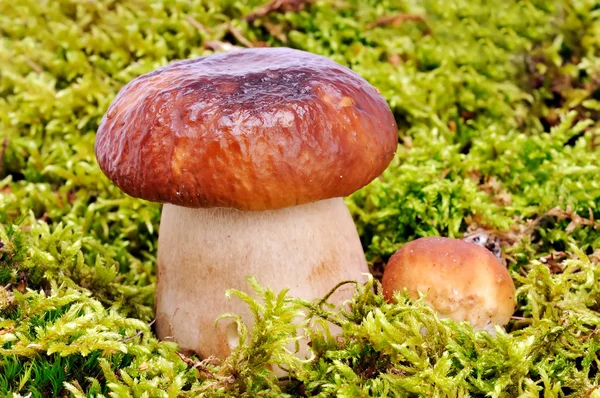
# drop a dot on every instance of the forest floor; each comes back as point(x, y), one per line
point(497, 107)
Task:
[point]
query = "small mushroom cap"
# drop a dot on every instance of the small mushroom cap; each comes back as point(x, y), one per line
point(253, 129)
point(463, 281)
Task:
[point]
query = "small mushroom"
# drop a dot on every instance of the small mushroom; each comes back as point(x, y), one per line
point(461, 280)
point(251, 152)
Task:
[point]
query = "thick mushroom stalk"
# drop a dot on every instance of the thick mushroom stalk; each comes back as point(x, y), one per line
point(251, 152)
point(203, 252)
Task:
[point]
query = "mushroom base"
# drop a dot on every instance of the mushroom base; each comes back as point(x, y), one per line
point(307, 249)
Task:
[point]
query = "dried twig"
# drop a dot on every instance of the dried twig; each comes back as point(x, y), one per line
point(275, 31)
point(280, 6)
point(589, 392)
point(397, 20)
point(198, 25)
point(521, 230)
point(199, 365)
point(519, 318)
point(576, 219)
point(220, 46)
point(553, 261)
point(239, 36)
point(493, 187)
point(33, 65)
point(8, 330)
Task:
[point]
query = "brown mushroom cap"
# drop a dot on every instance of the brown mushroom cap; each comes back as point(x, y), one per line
point(253, 129)
point(463, 281)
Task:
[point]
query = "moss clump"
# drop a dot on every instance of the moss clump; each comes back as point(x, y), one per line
point(497, 108)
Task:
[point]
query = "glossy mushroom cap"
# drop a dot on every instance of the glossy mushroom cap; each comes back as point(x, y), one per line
point(463, 281)
point(253, 129)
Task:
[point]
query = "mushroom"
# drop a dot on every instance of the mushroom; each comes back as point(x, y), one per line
point(251, 153)
point(461, 280)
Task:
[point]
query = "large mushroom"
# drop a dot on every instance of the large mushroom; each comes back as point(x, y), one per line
point(251, 153)
point(461, 280)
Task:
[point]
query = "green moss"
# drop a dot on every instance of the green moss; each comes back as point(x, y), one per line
point(496, 105)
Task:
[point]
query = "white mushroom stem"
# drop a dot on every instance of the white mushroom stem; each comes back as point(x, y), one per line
point(204, 252)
